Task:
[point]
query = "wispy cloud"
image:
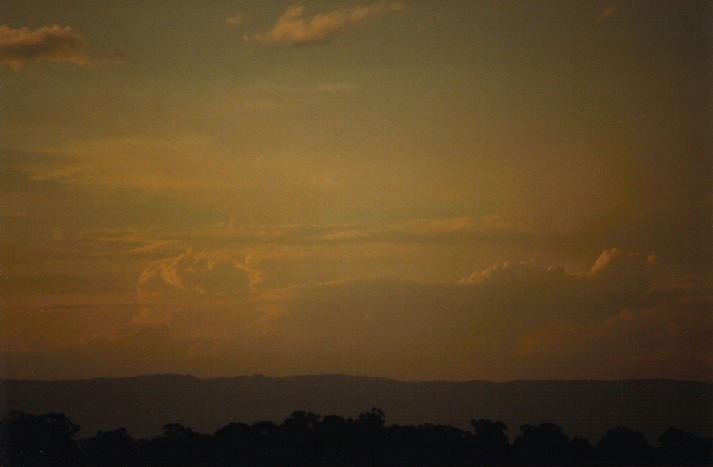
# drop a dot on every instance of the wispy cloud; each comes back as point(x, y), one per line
point(605, 13)
point(236, 20)
point(332, 87)
point(293, 28)
point(19, 47)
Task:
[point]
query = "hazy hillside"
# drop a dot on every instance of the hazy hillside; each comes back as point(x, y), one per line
point(582, 408)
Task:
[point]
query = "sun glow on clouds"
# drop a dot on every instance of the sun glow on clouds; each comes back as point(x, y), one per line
point(517, 309)
point(500, 320)
point(504, 320)
point(519, 190)
point(201, 273)
point(293, 28)
point(19, 47)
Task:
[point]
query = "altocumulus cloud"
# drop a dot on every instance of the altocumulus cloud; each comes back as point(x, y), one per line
point(18, 47)
point(293, 28)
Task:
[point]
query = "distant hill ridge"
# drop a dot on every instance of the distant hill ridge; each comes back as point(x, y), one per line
point(583, 408)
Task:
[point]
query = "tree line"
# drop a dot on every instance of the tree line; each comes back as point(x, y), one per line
point(306, 438)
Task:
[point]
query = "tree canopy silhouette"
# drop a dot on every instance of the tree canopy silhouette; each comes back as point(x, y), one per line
point(306, 438)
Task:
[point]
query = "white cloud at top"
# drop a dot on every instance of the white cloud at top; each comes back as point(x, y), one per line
point(293, 28)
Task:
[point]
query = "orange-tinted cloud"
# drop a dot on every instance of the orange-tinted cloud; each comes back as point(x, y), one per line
point(197, 273)
point(512, 320)
point(18, 47)
point(493, 323)
point(293, 28)
point(205, 280)
point(671, 339)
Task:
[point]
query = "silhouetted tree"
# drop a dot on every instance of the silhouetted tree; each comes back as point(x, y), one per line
point(490, 441)
point(441, 445)
point(542, 444)
point(39, 440)
point(265, 443)
point(180, 445)
point(374, 419)
point(305, 438)
point(334, 438)
point(369, 432)
point(624, 446)
point(683, 448)
point(299, 436)
point(109, 448)
point(581, 451)
point(233, 443)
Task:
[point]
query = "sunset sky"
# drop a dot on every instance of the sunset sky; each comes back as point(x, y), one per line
point(412, 189)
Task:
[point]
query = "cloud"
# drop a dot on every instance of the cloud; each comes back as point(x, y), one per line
point(507, 272)
point(126, 163)
point(192, 274)
point(193, 281)
point(671, 340)
point(605, 13)
point(331, 87)
point(236, 20)
point(19, 47)
point(615, 264)
point(615, 318)
point(482, 326)
point(67, 174)
point(293, 28)
point(617, 280)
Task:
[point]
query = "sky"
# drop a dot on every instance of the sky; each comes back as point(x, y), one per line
point(491, 190)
